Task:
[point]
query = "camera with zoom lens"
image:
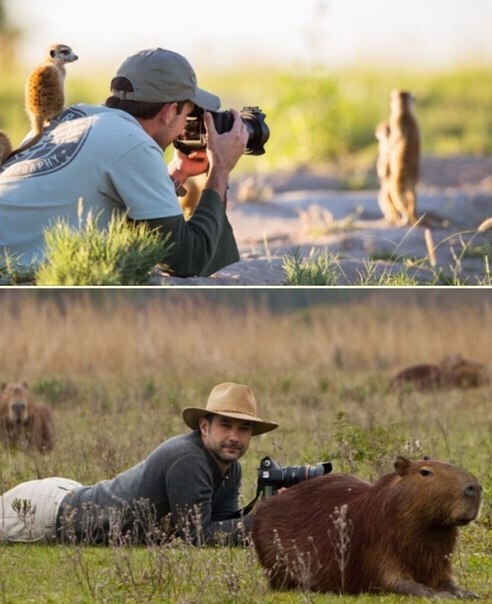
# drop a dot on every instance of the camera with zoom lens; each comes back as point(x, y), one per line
point(272, 477)
point(194, 135)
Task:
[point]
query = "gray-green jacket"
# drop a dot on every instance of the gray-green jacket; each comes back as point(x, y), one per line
point(177, 490)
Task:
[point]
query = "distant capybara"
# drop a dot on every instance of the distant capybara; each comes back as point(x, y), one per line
point(453, 371)
point(23, 422)
point(337, 533)
point(463, 373)
point(421, 377)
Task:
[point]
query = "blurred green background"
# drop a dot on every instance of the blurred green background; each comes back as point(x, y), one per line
point(315, 115)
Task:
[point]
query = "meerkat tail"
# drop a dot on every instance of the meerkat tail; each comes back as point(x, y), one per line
point(38, 128)
point(27, 145)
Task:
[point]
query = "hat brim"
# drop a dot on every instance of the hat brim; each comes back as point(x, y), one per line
point(206, 100)
point(192, 415)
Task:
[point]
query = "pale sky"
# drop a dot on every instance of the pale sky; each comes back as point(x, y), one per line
point(214, 33)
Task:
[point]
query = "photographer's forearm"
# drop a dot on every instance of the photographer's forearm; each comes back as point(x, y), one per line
point(218, 180)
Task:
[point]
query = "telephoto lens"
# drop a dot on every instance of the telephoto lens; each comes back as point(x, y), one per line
point(194, 135)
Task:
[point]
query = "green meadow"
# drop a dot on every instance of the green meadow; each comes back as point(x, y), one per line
point(318, 116)
point(118, 366)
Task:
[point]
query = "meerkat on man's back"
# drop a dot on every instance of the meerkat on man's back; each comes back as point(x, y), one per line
point(45, 91)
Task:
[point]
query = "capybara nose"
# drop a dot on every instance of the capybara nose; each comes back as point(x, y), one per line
point(18, 408)
point(473, 490)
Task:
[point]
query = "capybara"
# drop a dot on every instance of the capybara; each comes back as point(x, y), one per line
point(23, 422)
point(463, 373)
point(453, 371)
point(421, 377)
point(337, 533)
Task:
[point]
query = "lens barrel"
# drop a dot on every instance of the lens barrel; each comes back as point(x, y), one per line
point(271, 474)
point(194, 135)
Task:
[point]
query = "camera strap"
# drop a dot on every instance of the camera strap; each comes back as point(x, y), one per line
point(178, 187)
point(247, 508)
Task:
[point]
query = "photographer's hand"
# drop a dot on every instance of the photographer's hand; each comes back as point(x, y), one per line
point(182, 166)
point(224, 151)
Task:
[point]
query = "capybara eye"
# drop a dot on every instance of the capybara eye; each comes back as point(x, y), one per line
point(425, 472)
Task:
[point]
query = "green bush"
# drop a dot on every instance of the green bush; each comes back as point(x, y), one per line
point(122, 254)
point(321, 268)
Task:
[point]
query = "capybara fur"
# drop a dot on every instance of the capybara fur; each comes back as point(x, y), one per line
point(23, 423)
point(423, 377)
point(337, 533)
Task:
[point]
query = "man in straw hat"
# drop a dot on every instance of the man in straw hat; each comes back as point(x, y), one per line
point(187, 487)
point(101, 159)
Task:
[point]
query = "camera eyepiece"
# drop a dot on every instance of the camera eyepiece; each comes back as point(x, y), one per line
point(193, 137)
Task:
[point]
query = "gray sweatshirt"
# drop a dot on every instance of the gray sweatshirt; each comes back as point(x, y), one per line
point(177, 490)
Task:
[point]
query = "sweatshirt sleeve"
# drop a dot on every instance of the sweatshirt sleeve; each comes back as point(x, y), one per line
point(191, 502)
point(202, 245)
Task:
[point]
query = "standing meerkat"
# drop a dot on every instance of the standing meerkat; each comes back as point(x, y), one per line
point(404, 155)
point(5, 147)
point(45, 91)
point(386, 205)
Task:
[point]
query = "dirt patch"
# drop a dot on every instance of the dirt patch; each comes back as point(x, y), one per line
point(308, 211)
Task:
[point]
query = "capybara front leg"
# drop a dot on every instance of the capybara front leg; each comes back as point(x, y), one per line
point(457, 591)
point(412, 588)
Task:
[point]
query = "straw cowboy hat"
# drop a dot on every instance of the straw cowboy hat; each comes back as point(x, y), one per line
point(230, 400)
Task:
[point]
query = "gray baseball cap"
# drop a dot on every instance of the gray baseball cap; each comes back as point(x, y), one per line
point(163, 76)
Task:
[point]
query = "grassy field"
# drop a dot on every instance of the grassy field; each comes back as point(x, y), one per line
point(318, 116)
point(118, 366)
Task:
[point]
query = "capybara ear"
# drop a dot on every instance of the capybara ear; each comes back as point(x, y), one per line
point(4, 385)
point(426, 457)
point(25, 384)
point(402, 465)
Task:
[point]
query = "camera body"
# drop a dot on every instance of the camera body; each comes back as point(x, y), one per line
point(272, 476)
point(194, 135)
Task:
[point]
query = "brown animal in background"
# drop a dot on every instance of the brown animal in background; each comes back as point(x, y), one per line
point(22, 422)
point(403, 156)
point(5, 147)
point(463, 373)
point(453, 371)
point(401, 531)
point(191, 198)
point(45, 91)
point(423, 377)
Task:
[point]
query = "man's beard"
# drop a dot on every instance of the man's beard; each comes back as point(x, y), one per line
point(224, 452)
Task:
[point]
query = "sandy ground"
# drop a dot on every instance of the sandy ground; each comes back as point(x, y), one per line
point(308, 211)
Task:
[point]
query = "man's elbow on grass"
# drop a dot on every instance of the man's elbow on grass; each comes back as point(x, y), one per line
point(187, 260)
point(228, 533)
point(202, 245)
